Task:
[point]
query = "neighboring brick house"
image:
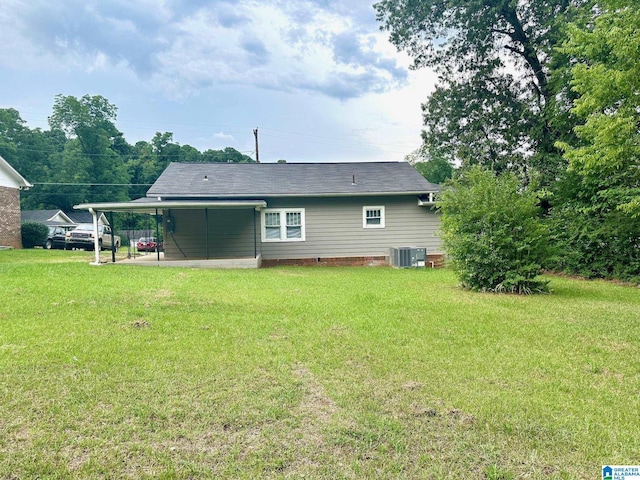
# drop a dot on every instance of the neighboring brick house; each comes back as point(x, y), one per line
point(11, 182)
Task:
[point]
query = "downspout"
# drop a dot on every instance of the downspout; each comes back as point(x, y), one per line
point(96, 244)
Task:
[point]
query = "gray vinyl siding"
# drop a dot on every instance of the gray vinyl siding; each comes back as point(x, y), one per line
point(333, 228)
point(229, 234)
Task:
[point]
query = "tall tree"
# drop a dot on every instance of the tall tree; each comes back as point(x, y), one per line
point(143, 168)
point(166, 151)
point(606, 76)
point(86, 119)
point(190, 154)
point(432, 165)
point(72, 170)
point(29, 151)
point(228, 155)
point(90, 122)
point(495, 98)
point(597, 206)
point(12, 129)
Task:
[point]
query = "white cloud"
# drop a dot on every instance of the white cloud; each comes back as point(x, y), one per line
point(193, 67)
point(226, 138)
point(185, 48)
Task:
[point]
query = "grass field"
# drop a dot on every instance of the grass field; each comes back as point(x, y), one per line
point(124, 371)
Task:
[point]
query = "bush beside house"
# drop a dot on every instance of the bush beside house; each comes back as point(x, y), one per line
point(493, 233)
point(34, 234)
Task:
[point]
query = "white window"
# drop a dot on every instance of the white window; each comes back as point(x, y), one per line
point(373, 217)
point(283, 225)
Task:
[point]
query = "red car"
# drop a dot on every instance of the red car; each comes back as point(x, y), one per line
point(148, 244)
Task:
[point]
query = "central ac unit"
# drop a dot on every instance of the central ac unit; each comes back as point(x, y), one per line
point(407, 257)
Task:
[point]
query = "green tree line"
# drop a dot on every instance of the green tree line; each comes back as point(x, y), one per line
point(83, 157)
point(544, 92)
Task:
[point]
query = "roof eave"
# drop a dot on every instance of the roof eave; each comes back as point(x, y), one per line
point(151, 207)
point(61, 214)
point(21, 182)
point(291, 195)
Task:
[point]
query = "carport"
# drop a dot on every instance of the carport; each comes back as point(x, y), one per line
point(206, 208)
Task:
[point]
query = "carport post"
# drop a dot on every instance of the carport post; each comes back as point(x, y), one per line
point(157, 236)
point(206, 232)
point(113, 243)
point(255, 241)
point(96, 245)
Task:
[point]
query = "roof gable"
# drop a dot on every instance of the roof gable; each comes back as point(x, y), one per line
point(86, 217)
point(9, 177)
point(48, 217)
point(234, 180)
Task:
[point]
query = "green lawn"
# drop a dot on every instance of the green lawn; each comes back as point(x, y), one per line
point(126, 371)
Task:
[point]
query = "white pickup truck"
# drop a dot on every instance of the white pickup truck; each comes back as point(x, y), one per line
point(83, 237)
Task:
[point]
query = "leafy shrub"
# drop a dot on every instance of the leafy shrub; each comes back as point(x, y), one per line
point(493, 234)
point(596, 244)
point(33, 234)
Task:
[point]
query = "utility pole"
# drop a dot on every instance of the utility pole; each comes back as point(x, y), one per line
point(255, 134)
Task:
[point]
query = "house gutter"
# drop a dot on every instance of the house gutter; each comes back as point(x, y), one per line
point(300, 195)
point(151, 206)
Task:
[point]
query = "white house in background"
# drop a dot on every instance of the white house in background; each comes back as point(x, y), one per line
point(58, 218)
point(11, 182)
point(51, 218)
point(78, 217)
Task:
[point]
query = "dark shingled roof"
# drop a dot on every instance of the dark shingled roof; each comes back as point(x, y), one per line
point(38, 216)
point(80, 217)
point(253, 180)
point(43, 216)
point(50, 218)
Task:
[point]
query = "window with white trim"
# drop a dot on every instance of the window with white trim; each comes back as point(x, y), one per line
point(373, 217)
point(283, 225)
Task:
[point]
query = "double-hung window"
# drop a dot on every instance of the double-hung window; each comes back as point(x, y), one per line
point(283, 225)
point(373, 217)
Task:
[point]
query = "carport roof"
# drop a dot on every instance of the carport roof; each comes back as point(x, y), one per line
point(150, 205)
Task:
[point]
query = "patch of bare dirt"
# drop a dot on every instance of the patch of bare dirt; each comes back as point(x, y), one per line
point(316, 406)
point(412, 386)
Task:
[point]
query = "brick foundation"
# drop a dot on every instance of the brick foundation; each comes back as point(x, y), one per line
point(10, 233)
point(437, 259)
point(328, 261)
point(377, 261)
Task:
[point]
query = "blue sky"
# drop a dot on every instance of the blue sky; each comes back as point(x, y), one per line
point(318, 78)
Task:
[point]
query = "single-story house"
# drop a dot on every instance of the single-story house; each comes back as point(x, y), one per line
point(78, 217)
point(50, 218)
point(59, 218)
point(11, 182)
point(291, 213)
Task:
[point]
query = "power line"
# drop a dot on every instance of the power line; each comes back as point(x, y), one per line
point(126, 156)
